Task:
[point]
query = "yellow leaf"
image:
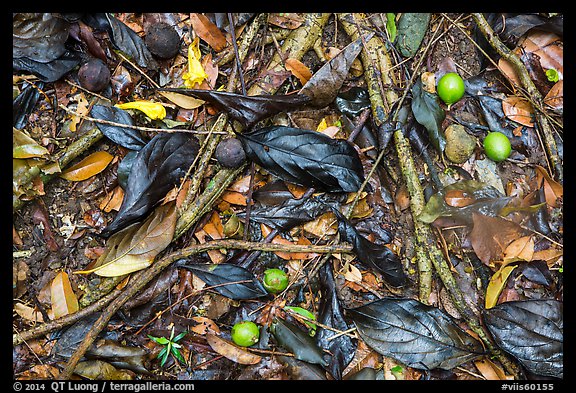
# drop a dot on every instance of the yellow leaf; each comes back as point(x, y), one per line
point(88, 167)
point(183, 101)
point(25, 147)
point(64, 300)
point(196, 73)
point(496, 284)
point(153, 110)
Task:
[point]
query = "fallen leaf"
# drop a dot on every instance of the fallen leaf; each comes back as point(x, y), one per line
point(491, 235)
point(81, 110)
point(519, 110)
point(550, 256)
point(205, 326)
point(231, 351)
point(63, 298)
point(288, 255)
point(135, 247)
point(182, 100)
point(212, 230)
point(40, 371)
point(88, 167)
point(286, 20)
point(25, 147)
point(546, 46)
point(30, 313)
point(491, 371)
point(555, 97)
point(100, 370)
point(234, 198)
point(208, 31)
point(154, 110)
point(520, 249)
point(552, 189)
point(298, 69)
point(496, 284)
point(112, 200)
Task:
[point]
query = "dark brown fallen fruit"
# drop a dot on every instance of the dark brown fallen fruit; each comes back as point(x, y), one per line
point(230, 153)
point(162, 40)
point(94, 75)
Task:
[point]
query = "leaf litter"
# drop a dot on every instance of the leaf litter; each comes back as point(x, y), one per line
point(501, 232)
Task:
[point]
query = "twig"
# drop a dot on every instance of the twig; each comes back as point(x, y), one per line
point(140, 279)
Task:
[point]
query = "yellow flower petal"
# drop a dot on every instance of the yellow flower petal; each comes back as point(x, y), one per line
point(196, 73)
point(153, 110)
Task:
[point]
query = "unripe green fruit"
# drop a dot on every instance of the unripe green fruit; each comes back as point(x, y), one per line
point(497, 146)
point(450, 88)
point(275, 280)
point(245, 333)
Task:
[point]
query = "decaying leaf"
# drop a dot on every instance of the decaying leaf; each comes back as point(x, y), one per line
point(25, 147)
point(521, 249)
point(231, 351)
point(64, 300)
point(88, 167)
point(134, 248)
point(100, 370)
point(428, 112)
point(298, 69)
point(298, 342)
point(208, 31)
point(519, 110)
point(552, 189)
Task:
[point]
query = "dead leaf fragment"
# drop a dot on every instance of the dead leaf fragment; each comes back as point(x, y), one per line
point(518, 109)
point(88, 167)
point(298, 69)
point(208, 31)
point(520, 249)
point(552, 189)
point(286, 20)
point(231, 351)
point(205, 326)
point(63, 298)
point(491, 235)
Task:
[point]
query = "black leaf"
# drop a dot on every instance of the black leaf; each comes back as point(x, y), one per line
point(418, 335)
point(230, 281)
point(130, 43)
point(291, 213)
point(124, 136)
point(248, 110)
point(158, 167)
point(304, 157)
point(48, 72)
point(24, 103)
point(428, 112)
point(342, 347)
point(38, 36)
point(532, 331)
point(372, 255)
point(353, 101)
point(298, 342)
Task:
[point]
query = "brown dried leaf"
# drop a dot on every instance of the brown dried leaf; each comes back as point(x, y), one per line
point(555, 97)
point(286, 20)
point(234, 198)
point(231, 351)
point(458, 198)
point(520, 249)
point(88, 167)
point(491, 235)
point(205, 326)
point(208, 31)
point(63, 298)
point(289, 255)
point(546, 46)
point(298, 69)
point(30, 313)
point(519, 110)
point(214, 230)
point(112, 200)
point(40, 371)
point(552, 189)
point(491, 371)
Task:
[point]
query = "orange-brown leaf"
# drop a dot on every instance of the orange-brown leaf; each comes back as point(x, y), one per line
point(88, 167)
point(231, 351)
point(286, 20)
point(545, 46)
point(458, 198)
point(208, 31)
point(520, 249)
point(491, 235)
point(552, 189)
point(234, 198)
point(491, 371)
point(299, 70)
point(519, 110)
point(113, 200)
point(205, 326)
point(64, 300)
point(555, 97)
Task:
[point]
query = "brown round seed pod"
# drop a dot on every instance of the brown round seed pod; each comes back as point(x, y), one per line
point(162, 40)
point(94, 75)
point(230, 153)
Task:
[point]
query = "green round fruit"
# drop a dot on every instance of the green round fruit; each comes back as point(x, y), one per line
point(497, 146)
point(245, 333)
point(450, 88)
point(275, 280)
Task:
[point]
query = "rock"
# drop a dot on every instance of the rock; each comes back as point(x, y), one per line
point(459, 144)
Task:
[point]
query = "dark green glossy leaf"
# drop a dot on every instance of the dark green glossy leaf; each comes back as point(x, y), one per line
point(372, 255)
point(157, 168)
point(418, 335)
point(229, 280)
point(298, 342)
point(532, 331)
point(124, 136)
point(304, 157)
point(411, 29)
point(428, 112)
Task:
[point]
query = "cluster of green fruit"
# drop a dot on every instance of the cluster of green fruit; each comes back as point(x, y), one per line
point(450, 89)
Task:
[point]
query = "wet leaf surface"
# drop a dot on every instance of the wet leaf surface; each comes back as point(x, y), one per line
point(124, 136)
point(304, 157)
point(158, 167)
point(298, 342)
point(532, 331)
point(416, 334)
point(428, 112)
